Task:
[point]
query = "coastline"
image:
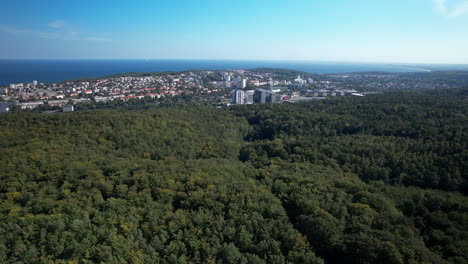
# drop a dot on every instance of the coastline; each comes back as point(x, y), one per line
point(51, 71)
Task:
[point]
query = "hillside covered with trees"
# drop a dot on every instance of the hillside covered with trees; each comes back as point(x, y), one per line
point(378, 179)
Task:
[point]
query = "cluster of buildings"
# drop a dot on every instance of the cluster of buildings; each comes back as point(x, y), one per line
point(240, 79)
point(232, 82)
point(119, 87)
point(278, 94)
point(282, 95)
point(238, 86)
point(382, 81)
point(66, 105)
point(260, 96)
point(273, 92)
point(33, 95)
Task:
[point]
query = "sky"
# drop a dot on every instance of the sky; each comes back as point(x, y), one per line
point(396, 31)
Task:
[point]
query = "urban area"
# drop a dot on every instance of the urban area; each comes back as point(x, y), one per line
point(222, 87)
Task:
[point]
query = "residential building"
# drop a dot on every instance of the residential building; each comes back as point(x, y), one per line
point(238, 97)
point(249, 97)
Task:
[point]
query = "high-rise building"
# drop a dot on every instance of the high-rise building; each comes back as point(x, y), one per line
point(260, 96)
point(240, 83)
point(238, 97)
point(34, 82)
point(243, 83)
point(249, 97)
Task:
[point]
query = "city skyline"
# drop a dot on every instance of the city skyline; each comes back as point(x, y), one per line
point(422, 31)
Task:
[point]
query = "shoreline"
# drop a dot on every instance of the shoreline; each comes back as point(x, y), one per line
point(54, 72)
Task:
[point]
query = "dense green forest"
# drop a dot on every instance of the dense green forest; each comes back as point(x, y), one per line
point(379, 179)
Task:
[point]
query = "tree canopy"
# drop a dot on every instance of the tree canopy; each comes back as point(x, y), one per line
point(379, 179)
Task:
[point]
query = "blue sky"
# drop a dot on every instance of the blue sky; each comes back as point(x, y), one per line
point(404, 31)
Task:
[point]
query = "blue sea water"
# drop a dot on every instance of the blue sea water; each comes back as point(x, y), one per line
point(50, 71)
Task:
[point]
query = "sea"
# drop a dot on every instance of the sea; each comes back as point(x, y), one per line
point(52, 71)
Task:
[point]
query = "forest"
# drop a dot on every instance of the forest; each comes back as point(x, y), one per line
point(375, 179)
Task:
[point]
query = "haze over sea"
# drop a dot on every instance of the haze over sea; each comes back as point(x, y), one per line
point(50, 71)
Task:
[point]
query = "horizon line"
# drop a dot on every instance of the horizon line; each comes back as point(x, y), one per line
point(245, 60)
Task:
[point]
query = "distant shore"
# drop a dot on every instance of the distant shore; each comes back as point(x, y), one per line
point(411, 68)
point(52, 71)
